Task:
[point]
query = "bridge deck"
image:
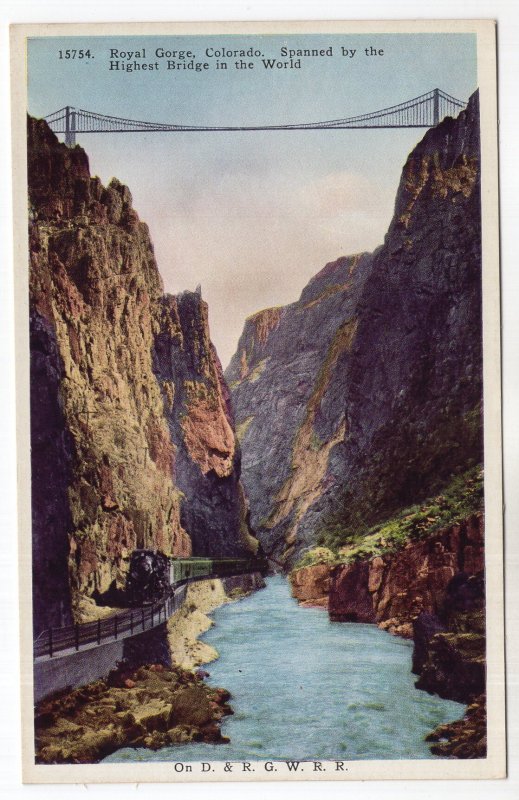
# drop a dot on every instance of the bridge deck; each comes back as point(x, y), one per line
point(420, 112)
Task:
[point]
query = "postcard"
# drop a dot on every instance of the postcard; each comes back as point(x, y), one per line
point(258, 382)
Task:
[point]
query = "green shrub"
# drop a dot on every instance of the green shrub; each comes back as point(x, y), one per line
point(462, 497)
point(318, 555)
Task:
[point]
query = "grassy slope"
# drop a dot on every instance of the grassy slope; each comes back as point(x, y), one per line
point(460, 498)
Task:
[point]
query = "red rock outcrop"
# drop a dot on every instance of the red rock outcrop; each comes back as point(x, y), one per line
point(311, 585)
point(431, 590)
point(394, 589)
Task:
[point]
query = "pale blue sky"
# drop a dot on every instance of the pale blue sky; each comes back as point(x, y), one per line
point(253, 215)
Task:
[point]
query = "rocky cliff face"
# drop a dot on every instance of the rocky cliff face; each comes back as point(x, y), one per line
point(414, 386)
point(311, 585)
point(288, 398)
point(200, 420)
point(52, 456)
point(449, 657)
point(103, 458)
point(364, 397)
point(393, 590)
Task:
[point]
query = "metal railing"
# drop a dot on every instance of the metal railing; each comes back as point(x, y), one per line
point(129, 622)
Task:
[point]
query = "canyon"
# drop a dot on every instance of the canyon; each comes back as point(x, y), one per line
point(359, 411)
point(364, 396)
point(344, 440)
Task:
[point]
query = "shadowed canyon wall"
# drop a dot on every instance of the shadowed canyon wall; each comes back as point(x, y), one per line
point(200, 420)
point(285, 380)
point(105, 478)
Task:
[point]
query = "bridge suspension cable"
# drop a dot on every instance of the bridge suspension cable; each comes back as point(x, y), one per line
point(424, 111)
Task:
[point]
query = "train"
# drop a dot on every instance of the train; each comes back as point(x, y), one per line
point(153, 575)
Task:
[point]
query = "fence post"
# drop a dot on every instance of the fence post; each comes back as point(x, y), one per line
point(50, 642)
point(98, 631)
point(76, 635)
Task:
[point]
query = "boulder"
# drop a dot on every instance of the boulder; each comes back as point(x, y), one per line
point(190, 706)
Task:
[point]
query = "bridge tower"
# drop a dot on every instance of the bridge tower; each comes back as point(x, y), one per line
point(70, 127)
point(436, 106)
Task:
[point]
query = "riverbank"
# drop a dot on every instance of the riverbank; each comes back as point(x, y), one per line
point(192, 620)
point(304, 688)
point(420, 576)
point(431, 592)
point(464, 738)
point(151, 706)
point(148, 706)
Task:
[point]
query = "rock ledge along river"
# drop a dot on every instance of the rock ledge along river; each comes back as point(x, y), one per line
point(307, 688)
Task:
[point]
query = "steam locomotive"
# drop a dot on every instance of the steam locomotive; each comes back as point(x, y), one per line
point(153, 575)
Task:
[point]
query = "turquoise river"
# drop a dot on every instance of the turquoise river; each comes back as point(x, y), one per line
point(306, 688)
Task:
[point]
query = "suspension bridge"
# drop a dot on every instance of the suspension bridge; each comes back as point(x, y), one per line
point(424, 111)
